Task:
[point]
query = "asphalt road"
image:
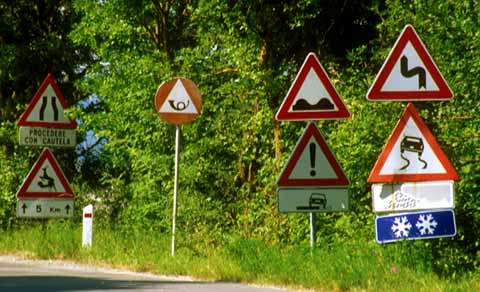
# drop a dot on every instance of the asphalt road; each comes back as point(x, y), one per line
point(44, 276)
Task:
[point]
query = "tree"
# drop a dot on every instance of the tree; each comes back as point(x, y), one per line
point(242, 56)
point(33, 41)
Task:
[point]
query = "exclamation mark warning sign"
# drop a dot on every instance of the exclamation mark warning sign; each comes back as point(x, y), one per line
point(312, 163)
point(312, 159)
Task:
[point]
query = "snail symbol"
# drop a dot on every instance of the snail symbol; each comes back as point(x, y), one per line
point(179, 106)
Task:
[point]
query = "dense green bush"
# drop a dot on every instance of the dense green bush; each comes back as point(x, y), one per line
point(232, 154)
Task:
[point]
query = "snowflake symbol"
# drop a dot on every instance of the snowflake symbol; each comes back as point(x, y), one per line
point(401, 226)
point(426, 224)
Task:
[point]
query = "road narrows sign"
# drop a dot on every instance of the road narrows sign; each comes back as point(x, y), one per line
point(45, 180)
point(312, 96)
point(312, 163)
point(412, 154)
point(44, 122)
point(46, 109)
point(409, 73)
point(178, 101)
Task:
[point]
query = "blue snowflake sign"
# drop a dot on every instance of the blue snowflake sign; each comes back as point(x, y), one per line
point(417, 225)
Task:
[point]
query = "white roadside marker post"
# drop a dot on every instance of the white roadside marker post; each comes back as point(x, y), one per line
point(87, 232)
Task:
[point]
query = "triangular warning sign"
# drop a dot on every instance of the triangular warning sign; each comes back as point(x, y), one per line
point(178, 101)
point(412, 154)
point(46, 109)
point(312, 96)
point(409, 73)
point(312, 163)
point(45, 180)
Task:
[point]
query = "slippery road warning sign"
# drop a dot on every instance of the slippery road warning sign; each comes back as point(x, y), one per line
point(412, 154)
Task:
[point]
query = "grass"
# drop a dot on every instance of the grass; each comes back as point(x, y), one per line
point(339, 266)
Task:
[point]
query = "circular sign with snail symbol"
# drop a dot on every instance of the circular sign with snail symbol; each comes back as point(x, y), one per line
point(178, 101)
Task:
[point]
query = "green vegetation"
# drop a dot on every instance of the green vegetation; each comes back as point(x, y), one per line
point(341, 266)
point(243, 55)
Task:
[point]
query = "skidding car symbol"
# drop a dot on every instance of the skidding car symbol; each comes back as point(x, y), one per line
point(412, 144)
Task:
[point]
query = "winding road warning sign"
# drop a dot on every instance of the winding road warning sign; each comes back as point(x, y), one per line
point(409, 73)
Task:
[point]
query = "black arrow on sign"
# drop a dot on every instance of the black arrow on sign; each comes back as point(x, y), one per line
point(24, 207)
point(67, 208)
point(422, 80)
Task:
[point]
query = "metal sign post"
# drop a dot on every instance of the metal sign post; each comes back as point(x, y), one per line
point(175, 185)
point(177, 101)
point(312, 180)
point(312, 230)
point(312, 96)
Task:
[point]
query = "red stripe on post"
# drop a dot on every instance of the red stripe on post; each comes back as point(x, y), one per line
point(87, 215)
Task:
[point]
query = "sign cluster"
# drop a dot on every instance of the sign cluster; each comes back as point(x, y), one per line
point(412, 172)
point(412, 180)
point(45, 191)
point(312, 180)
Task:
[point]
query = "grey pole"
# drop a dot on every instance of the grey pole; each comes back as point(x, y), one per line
point(312, 231)
point(175, 186)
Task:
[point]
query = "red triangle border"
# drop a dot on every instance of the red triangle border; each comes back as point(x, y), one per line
point(411, 112)
point(311, 62)
point(49, 80)
point(409, 34)
point(312, 130)
point(46, 155)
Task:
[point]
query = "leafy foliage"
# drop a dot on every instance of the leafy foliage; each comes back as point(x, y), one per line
point(243, 55)
point(34, 41)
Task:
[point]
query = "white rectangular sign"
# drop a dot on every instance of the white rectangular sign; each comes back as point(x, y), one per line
point(412, 196)
point(45, 208)
point(55, 137)
point(308, 200)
